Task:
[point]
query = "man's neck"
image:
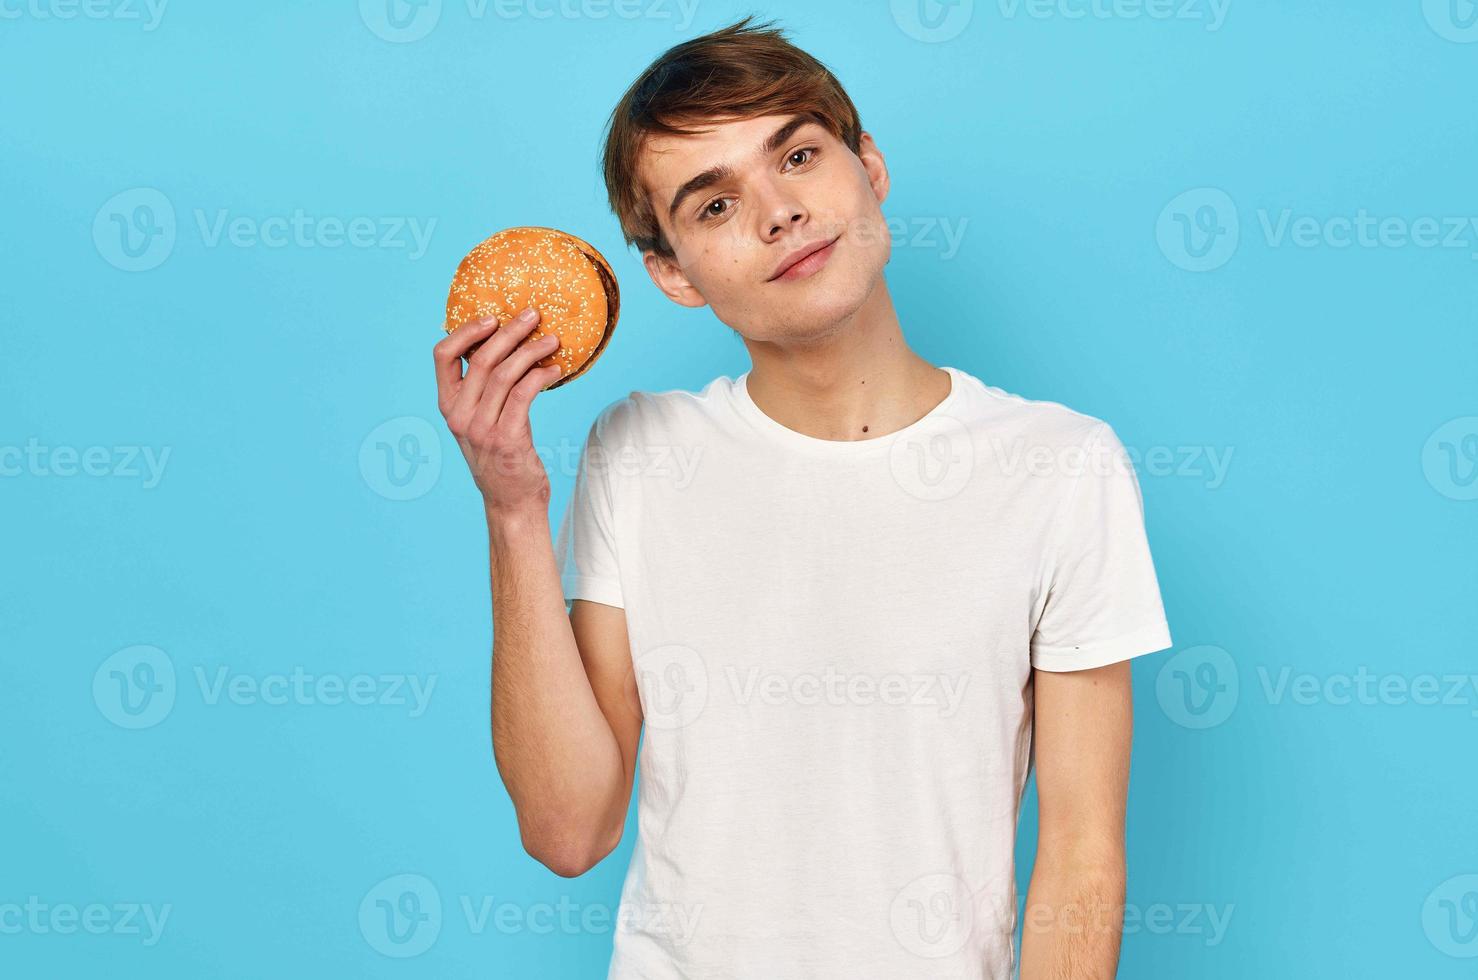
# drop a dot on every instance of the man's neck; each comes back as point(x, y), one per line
point(858, 380)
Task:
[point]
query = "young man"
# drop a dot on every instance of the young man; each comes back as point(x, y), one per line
point(852, 597)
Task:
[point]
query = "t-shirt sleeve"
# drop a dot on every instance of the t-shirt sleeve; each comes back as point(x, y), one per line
point(585, 547)
point(1103, 599)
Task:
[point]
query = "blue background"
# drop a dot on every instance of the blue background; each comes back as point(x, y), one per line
point(1340, 537)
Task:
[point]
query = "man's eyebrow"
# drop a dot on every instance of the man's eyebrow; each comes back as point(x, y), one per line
point(722, 172)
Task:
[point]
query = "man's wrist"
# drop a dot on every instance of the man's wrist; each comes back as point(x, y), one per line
point(507, 521)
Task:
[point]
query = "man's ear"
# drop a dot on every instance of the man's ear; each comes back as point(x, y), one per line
point(670, 279)
point(873, 163)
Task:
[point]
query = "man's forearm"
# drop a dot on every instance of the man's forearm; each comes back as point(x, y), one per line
point(1073, 923)
point(554, 748)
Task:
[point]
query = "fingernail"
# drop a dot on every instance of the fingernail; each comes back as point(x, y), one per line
point(527, 316)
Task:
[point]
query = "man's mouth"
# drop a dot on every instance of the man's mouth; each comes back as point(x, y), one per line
point(804, 261)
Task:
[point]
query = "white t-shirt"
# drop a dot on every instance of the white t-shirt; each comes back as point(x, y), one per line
point(833, 644)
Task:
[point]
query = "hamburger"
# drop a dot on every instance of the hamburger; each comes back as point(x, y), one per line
point(563, 277)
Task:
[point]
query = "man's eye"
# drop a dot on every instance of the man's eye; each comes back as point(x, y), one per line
point(806, 149)
point(707, 211)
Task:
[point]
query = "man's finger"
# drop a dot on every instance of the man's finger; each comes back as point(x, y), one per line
point(511, 371)
point(483, 365)
point(449, 351)
point(515, 414)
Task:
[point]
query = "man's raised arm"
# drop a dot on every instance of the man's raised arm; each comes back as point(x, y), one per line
point(565, 715)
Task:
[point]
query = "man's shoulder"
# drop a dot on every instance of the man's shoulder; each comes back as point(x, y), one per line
point(997, 411)
point(643, 415)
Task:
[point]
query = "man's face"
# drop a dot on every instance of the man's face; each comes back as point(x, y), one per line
point(741, 198)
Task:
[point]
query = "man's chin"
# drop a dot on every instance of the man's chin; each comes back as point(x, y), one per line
point(836, 289)
point(817, 315)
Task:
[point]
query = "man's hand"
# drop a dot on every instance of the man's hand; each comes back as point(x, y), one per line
point(487, 409)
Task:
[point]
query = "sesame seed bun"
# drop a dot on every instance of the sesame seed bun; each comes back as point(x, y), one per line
point(563, 277)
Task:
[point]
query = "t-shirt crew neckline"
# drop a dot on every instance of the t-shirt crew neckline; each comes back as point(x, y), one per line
point(840, 447)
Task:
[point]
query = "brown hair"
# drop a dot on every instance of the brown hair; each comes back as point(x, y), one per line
point(738, 72)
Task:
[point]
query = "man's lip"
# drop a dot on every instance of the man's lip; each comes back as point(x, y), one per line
point(798, 257)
